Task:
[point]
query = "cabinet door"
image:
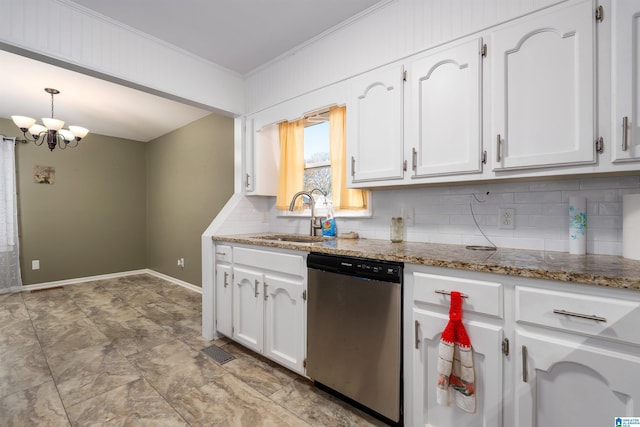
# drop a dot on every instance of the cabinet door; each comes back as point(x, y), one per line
point(224, 299)
point(567, 382)
point(248, 307)
point(544, 89)
point(486, 341)
point(375, 126)
point(445, 111)
point(262, 159)
point(284, 322)
point(626, 75)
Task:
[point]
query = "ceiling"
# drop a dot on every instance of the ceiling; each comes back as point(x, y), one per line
point(240, 35)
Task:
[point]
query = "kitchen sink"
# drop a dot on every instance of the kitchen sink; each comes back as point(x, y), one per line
point(295, 238)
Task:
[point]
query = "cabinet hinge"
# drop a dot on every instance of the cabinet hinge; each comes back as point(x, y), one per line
point(484, 157)
point(599, 14)
point(304, 363)
point(600, 145)
point(233, 330)
point(404, 75)
point(483, 51)
point(404, 166)
point(304, 295)
point(505, 346)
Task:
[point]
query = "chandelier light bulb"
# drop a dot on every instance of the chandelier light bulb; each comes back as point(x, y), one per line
point(23, 122)
point(52, 124)
point(79, 132)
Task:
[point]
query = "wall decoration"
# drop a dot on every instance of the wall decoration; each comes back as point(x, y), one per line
point(44, 174)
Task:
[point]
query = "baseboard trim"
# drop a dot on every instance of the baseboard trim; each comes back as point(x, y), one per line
point(175, 281)
point(66, 282)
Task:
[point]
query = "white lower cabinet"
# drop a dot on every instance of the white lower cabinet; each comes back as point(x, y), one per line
point(285, 325)
point(428, 290)
point(223, 289)
point(248, 307)
point(546, 353)
point(569, 382)
point(578, 361)
point(224, 299)
point(486, 340)
point(268, 304)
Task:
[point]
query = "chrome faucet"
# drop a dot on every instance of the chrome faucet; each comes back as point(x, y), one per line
point(316, 222)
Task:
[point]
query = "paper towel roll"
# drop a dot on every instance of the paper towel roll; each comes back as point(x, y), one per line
point(631, 226)
point(577, 225)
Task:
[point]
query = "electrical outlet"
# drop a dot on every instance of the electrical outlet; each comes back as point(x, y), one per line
point(35, 264)
point(507, 218)
point(181, 262)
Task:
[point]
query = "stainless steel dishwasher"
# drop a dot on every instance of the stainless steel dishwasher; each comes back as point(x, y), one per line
point(354, 330)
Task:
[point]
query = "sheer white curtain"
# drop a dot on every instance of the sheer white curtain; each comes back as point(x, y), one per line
point(10, 279)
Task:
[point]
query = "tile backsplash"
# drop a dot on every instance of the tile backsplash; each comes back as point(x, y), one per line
point(443, 213)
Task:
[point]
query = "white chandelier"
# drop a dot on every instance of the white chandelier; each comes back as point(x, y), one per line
point(52, 130)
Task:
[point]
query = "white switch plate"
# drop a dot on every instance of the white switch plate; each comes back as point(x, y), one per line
point(507, 218)
point(35, 264)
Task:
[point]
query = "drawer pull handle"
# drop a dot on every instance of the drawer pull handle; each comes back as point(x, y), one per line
point(625, 133)
point(221, 253)
point(417, 334)
point(580, 315)
point(257, 292)
point(226, 276)
point(443, 292)
point(525, 364)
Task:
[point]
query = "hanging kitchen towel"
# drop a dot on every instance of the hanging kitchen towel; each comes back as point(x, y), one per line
point(455, 361)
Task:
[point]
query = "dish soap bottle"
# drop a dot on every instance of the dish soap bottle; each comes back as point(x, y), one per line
point(329, 223)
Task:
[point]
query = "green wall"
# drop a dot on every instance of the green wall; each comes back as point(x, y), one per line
point(119, 205)
point(189, 180)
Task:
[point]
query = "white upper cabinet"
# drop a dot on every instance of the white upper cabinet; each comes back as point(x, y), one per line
point(543, 86)
point(444, 114)
point(262, 158)
point(626, 78)
point(375, 126)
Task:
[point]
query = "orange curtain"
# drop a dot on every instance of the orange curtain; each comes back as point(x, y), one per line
point(343, 197)
point(291, 173)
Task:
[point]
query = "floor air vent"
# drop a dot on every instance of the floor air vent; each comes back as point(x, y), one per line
point(218, 354)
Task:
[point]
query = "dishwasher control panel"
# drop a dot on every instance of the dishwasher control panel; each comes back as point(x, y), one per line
point(386, 271)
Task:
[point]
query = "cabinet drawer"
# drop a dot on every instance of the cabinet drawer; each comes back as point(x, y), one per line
point(267, 260)
point(224, 253)
point(481, 297)
point(603, 317)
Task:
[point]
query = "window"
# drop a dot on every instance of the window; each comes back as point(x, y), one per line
point(313, 155)
point(317, 160)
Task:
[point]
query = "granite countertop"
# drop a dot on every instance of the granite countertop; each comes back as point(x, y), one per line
point(601, 270)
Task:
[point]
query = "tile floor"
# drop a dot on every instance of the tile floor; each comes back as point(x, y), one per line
point(126, 351)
